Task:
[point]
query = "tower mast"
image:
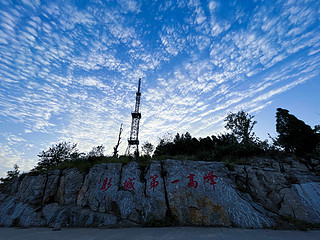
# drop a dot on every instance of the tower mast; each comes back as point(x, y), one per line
point(133, 141)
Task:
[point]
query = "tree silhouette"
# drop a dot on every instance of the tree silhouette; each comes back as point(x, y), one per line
point(294, 135)
point(13, 173)
point(96, 151)
point(147, 148)
point(241, 125)
point(58, 153)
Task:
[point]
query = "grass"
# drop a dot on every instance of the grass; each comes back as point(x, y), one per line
point(84, 164)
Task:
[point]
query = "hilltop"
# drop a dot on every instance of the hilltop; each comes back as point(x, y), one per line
point(264, 193)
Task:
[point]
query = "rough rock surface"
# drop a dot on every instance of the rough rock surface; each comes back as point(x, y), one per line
point(70, 183)
point(31, 189)
point(155, 206)
point(255, 195)
point(282, 188)
point(75, 216)
point(16, 213)
point(51, 187)
point(121, 191)
point(200, 199)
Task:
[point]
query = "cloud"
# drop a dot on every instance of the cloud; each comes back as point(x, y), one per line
point(13, 139)
point(70, 72)
point(130, 6)
point(171, 39)
point(9, 156)
point(279, 90)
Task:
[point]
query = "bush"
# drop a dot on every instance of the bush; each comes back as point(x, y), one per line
point(57, 154)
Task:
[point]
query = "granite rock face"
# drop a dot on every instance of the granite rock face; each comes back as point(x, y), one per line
point(16, 213)
point(123, 192)
point(69, 185)
point(31, 189)
point(155, 206)
point(51, 188)
point(285, 188)
point(164, 192)
point(75, 216)
point(204, 196)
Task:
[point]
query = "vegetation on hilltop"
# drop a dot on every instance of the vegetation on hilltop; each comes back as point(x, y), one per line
point(294, 135)
point(295, 138)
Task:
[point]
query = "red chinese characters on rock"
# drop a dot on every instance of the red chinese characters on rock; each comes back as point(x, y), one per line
point(192, 183)
point(210, 178)
point(106, 185)
point(154, 183)
point(175, 181)
point(316, 188)
point(129, 184)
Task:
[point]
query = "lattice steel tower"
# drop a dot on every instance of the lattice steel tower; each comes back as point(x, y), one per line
point(133, 141)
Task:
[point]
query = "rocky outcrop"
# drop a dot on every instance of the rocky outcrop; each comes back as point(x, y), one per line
point(204, 195)
point(16, 213)
point(70, 183)
point(165, 192)
point(285, 188)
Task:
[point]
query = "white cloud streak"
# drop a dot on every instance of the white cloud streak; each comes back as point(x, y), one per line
point(70, 72)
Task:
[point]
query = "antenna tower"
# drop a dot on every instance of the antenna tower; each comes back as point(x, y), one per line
point(133, 141)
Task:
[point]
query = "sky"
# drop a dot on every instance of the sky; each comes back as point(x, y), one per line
point(69, 70)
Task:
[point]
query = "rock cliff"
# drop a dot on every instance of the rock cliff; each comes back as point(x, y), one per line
point(169, 192)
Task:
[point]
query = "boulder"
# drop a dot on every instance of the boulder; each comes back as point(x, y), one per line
point(155, 206)
point(263, 185)
point(290, 205)
point(301, 202)
point(15, 213)
point(131, 195)
point(200, 194)
point(125, 191)
point(309, 196)
point(75, 216)
point(290, 192)
point(51, 187)
point(31, 189)
point(69, 186)
point(100, 188)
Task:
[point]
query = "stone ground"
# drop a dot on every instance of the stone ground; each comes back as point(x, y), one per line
point(172, 233)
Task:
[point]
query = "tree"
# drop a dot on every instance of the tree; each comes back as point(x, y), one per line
point(13, 173)
point(115, 148)
point(165, 145)
point(58, 153)
point(96, 151)
point(294, 135)
point(241, 125)
point(316, 130)
point(147, 148)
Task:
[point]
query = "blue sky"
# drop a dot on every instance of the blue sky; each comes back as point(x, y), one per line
point(69, 69)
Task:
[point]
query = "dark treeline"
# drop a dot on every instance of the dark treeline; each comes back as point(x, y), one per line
point(238, 143)
point(211, 148)
point(294, 138)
